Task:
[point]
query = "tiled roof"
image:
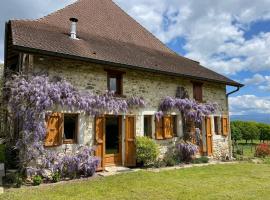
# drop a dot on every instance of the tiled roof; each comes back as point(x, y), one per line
point(106, 33)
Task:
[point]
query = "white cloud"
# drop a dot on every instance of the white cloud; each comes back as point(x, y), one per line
point(266, 85)
point(214, 30)
point(256, 79)
point(247, 104)
point(262, 82)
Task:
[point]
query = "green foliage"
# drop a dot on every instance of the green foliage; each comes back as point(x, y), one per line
point(236, 131)
point(37, 180)
point(13, 179)
point(170, 160)
point(159, 163)
point(146, 150)
point(19, 180)
point(203, 159)
point(249, 131)
point(264, 131)
point(56, 177)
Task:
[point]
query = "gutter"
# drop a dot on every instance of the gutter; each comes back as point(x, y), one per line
point(236, 90)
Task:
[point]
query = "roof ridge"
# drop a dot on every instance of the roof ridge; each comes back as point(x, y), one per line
point(143, 27)
point(172, 51)
point(59, 10)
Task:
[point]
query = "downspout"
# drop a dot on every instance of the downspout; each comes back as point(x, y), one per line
point(230, 136)
point(237, 89)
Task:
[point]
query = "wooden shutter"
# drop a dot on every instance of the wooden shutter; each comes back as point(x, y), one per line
point(168, 128)
point(54, 130)
point(225, 125)
point(159, 128)
point(130, 160)
point(197, 91)
point(209, 136)
point(100, 141)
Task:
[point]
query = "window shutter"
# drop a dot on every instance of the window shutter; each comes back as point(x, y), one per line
point(159, 128)
point(167, 125)
point(225, 125)
point(54, 130)
point(197, 91)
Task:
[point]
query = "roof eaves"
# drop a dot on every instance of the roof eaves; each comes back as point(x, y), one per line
point(114, 64)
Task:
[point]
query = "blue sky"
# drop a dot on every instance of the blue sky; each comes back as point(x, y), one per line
point(231, 37)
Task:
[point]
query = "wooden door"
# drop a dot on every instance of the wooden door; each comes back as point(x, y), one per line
point(130, 155)
point(100, 140)
point(112, 159)
point(54, 130)
point(209, 139)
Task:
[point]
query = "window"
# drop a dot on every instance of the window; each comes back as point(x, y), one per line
point(61, 128)
point(174, 121)
point(114, 81)
point(70, 128)
point(216, 125)
point(197, 91)
point(147, 121)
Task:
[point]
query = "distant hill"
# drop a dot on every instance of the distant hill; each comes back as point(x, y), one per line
point(263, 118)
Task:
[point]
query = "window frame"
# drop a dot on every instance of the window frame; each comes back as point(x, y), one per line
point(149, 120)
point(216, 125)
point(197, 86)
point(174, 125)
point(118, 75)
point(74, 140)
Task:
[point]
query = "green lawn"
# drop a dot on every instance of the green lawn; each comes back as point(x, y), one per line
point(231, 181)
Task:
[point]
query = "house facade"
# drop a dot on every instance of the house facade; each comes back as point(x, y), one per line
point(115, 53)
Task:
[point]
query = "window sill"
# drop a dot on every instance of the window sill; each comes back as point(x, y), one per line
point(119, 96)
point(69, 141)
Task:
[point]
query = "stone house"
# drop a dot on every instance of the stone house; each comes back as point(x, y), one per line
point(97, 47)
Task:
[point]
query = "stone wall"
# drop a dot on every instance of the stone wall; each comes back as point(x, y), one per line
point(151, 86)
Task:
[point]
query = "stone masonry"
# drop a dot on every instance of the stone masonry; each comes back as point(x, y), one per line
point(153, 87)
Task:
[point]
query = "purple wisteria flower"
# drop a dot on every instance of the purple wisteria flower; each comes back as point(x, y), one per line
point(30, 97)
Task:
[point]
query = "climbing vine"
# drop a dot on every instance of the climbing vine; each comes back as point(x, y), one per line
point(189, 108)
point(30, 99)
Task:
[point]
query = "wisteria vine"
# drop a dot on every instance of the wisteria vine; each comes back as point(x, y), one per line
point(189, 108)
point(31, 97)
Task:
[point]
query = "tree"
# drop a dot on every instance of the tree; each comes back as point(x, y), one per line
point(236, 131)
point(264, 131)
point(250, 131)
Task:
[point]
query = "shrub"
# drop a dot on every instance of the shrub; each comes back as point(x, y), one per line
point(171, 158)
point(56, 177)
point(69, 165)
point(202, 159)
point(239, 152)
point(262, 150)
point(186, 151)
point(170, 161)
point(159, 163)
point(37, 180)
point(19, 180)
point(146, 150)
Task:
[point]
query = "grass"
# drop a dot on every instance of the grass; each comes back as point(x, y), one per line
point(230, 181)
